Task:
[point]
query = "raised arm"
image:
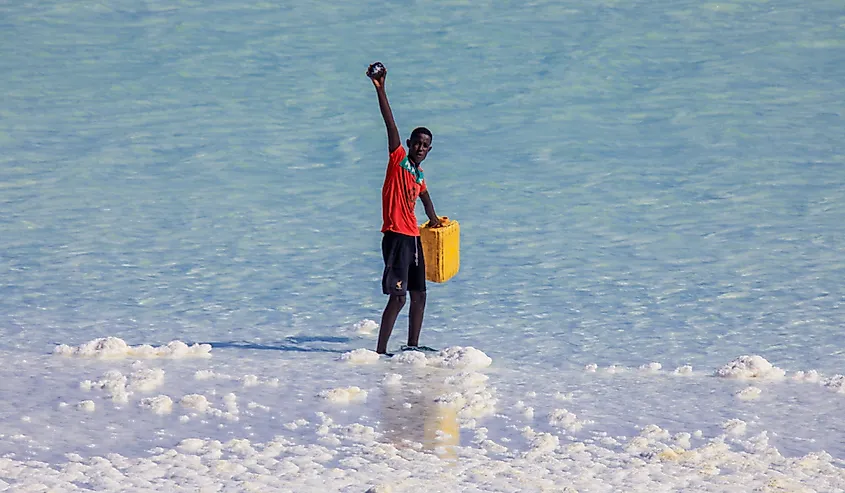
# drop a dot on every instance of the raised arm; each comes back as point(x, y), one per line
point(378, 77)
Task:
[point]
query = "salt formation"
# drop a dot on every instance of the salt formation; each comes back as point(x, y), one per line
point(652, 367)
point(734, 427)
point(811, 376)
point(365, 326)
point(344, 395)
point(391, 379)
point(87, 406)
point(835, 383)
point(120, 387)
point(746, 367)
point(360, 356)
point(412, 358)
point(113, 382)
point(749, 393)
point(470, 395)
point(561, 418)
point(161, 404)
point(113, 347)
point(196, 402)
point(461, 358)
point(539, 444)
point(146, 380)
point(325, 456)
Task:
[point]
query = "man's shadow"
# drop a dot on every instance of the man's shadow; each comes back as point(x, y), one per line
point(303, 344)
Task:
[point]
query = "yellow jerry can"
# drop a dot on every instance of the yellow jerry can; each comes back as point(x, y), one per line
point(441, 250)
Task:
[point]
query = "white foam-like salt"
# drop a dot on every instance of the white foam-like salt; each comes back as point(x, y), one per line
point(114, 347)
point(561, 418)
point(811, 376)
point(735, 426)
point(196, 402)
point(190, 445)
point(160, 404)
point(87, 406)
point(654, 432)
point(412, 358)
point(602, 458)
point(835, 383)
point(206, 375)
point(683, 440)
point(365, 326)
point(256, 405)
point(462, 358)
point(360, 356)
point(467, 379)
point(749, 393)
point(344, 395)
point(646, 463)
point(750, 367)
point(250, 380)
point(145, 380)
point(113, 382)
point(540, 443)
point(392, 379)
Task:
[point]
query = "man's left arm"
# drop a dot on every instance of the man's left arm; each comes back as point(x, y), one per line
point(433, 220)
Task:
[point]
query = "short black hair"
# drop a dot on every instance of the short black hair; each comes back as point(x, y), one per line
point(421, 131)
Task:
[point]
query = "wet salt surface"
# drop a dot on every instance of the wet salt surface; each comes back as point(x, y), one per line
point(248, 419)
point(650, 202)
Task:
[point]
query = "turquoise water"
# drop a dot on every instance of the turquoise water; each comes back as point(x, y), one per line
point(635, 182)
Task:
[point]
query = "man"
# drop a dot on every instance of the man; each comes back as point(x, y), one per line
point(404, 265)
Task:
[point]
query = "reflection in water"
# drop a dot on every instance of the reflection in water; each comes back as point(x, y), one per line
point(410, 415)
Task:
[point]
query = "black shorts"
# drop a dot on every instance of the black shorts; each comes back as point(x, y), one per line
point(404, 266)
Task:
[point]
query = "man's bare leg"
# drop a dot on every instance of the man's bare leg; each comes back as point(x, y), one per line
point(415, 317)
point(388, 319)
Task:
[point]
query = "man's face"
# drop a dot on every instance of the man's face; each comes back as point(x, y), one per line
point(418, 148)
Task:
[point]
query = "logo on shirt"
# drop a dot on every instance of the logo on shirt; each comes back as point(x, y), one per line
point(414, 170)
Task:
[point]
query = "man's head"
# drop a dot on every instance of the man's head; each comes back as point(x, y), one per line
point(419, 144)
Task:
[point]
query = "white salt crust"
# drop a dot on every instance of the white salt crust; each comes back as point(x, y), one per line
point(321, 455)
point(392, 379)
point(360, 356)
point(469, 395)
point(365, 327)
point(749, 393)
point(326, 456)
point(120, 387)
point(750, 367)
point(344, 395)
point(113, 347)
point(161, 404)
point(561, 418)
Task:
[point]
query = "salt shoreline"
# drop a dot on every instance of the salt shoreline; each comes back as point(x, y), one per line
point(231, 423)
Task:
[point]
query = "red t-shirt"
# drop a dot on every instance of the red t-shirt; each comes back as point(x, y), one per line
point(403, 183)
